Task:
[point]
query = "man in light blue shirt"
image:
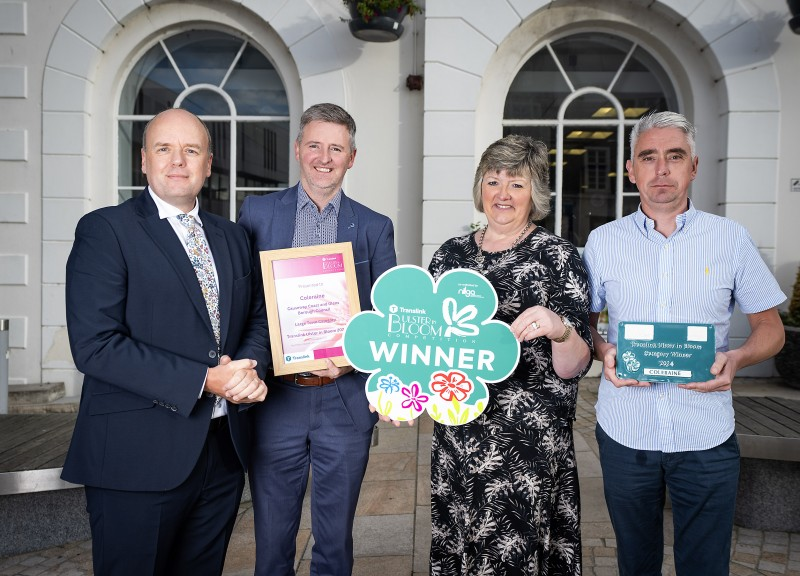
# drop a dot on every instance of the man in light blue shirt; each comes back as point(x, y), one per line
point(669, 262)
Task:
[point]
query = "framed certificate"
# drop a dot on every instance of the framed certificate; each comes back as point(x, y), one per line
point(665, 351)
point(311, 293)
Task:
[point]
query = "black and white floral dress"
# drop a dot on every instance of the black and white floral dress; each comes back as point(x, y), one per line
point(504, 487)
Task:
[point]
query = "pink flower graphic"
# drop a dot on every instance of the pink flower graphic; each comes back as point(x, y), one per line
point(450, 385)
point(415, 399)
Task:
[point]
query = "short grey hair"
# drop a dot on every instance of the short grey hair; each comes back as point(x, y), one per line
point(664, 120)
point(332, 113)
point(519, 156)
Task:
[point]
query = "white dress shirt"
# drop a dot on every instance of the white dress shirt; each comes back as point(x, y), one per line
point(170, 213)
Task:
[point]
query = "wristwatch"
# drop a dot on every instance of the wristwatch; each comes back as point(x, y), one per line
point(567, 331)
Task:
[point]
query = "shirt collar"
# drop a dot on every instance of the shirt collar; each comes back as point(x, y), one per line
point(166, 210)
point(303, 199)
point(646, 224)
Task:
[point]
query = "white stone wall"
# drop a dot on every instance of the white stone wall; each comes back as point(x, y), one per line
point(26, 31)
point(786, 63)
point(735, 64)
point(60, 89)
point(720, 54)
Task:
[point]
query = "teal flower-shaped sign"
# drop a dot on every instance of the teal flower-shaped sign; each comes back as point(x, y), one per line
point(431, 345)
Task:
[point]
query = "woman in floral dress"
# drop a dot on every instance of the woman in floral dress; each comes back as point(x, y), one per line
point(504, 487)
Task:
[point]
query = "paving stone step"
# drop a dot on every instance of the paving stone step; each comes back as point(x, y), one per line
point(60, 406)
point(35, 393)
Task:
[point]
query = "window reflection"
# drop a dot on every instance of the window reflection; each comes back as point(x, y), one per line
point(205, 63)
point(591, 59)
point(613, 71)
point(211, 74)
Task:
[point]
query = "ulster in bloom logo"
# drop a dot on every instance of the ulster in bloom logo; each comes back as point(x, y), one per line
point(431, 345)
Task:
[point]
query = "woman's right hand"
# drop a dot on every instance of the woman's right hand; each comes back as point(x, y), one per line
point(535, 322)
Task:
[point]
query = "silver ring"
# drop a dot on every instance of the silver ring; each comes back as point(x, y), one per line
point(535, 325)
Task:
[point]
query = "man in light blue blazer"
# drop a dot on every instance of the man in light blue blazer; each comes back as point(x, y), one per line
point(317, 419)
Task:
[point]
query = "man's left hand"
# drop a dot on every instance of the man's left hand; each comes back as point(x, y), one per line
point(332, 370)
point(723, 368)
point(244, 386)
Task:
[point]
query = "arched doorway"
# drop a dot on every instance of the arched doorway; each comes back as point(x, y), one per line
point(235, 89)
point(580, 95)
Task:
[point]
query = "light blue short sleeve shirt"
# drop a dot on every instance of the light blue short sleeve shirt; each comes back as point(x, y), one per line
point(698, 274)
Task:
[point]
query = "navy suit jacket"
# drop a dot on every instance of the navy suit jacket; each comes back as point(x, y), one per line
point(270, 220)
point(139, 331)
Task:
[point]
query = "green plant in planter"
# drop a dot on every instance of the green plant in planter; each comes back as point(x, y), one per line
point(787, 361)
point(792, 316)
point(368, 9)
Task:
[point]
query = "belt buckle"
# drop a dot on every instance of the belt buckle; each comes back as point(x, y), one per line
point(304, 375)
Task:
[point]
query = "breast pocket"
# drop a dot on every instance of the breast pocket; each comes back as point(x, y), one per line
point(709, 296)
point(240, 306)
point(243, 286)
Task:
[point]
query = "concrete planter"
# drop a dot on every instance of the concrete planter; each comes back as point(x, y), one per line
point(787, 362)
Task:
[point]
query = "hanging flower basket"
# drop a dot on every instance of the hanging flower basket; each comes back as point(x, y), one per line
point(379, 20)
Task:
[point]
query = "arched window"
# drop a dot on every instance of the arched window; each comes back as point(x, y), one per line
point(235, 89)
point(580, 95)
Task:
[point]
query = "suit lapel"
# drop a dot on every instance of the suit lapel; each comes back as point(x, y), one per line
point(347, 229)
point(218, 243)
point(283, 220)
point(165, 239)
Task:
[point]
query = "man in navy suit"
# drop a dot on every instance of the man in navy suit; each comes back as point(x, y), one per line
point(319, 419)
point(160, 442)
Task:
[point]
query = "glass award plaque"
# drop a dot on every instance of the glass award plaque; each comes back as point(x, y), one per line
point(665, 351)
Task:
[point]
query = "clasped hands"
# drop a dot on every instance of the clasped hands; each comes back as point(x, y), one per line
point(236, 380)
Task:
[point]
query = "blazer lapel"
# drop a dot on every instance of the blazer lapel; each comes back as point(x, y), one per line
point(218, 243)
point(283, 220)
point(347, 229)
point(165, 239)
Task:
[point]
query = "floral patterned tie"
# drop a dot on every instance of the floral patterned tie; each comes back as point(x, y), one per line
point(200, 256)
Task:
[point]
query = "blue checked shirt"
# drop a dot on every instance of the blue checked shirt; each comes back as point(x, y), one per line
point(312, 227)
point(696, 275)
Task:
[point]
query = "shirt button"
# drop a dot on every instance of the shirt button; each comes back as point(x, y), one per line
point(212, 353)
